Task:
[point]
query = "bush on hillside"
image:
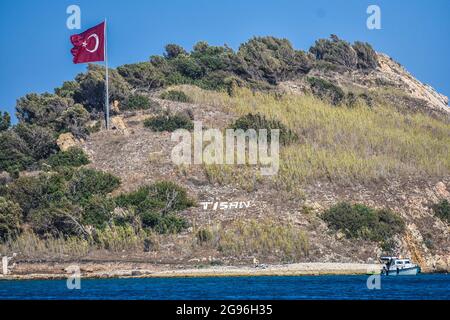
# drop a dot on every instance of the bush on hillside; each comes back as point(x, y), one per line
point(335, 51)
point(360, 221)
point(326, 90)
point(367, 57)
point(68, 89)
point(97, 211)
point(5, 121)
point(169, 223)
point(157, 205)
point(273, 60)
point(442, 210)
point(24, 145)
point(75, 120)
point(91, 91)
point(15, 154)
point(169, 122)
point(143, 76)
point(175, 95)
point(140, 102)
point(10, 218)
point(258, 121)
point(261, 62)
point(173, 51)
point(37, 191)
point(40, 140)
point(88, 182)
point(164, 195)
point(42, 109)
point(57, 219)
point(214, 58)
point(73, 157)
point(59, 204)
point(174, 197)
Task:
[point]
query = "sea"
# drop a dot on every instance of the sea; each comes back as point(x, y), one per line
point(419, 287)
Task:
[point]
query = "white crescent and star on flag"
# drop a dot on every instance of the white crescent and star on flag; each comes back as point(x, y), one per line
point(97, 41)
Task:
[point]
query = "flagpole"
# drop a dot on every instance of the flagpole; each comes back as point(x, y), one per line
point(107, 78)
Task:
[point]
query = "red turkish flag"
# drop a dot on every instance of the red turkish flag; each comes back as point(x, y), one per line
point(89, 46)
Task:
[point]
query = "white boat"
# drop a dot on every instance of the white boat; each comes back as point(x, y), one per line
point(394, 266)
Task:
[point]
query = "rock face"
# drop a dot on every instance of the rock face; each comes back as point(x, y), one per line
point(441, 190)
point(66, 141)
point(396, 83)
point(115, 106)
point(118, 124)
point(394, 73)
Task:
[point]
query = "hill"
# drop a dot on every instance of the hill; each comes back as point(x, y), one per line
point(365, 171)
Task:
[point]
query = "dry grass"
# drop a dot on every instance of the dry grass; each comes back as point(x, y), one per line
point(243, 175)
point(266, 237)
point(113, 239)
point(343, 144)
point(30, 245)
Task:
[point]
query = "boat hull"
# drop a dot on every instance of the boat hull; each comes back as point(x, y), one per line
point(402, 272)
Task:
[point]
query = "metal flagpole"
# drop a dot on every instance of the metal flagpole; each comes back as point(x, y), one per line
point(107, 79)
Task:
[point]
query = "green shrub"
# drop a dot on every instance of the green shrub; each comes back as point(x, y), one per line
point(360, 221)
point(175, 95)
point(133, 198)
point(188, 68)
point(61, 218)
point(37, 192)
point(442, 210)
point(258, 121)
point(42, 110)
point(156, 205)
point(91, 91)
point(10, 218)
point(144, 75)
point(173, 51)
point(88, 182)
point(97, 211)
point(367, 57)
point(40, 140)
point(73, 157)
point(326, 90)
point(140, 102)
point(5, 121)
point(15, 155)
point(335, 51)
point(174, 197)
point(272, 60)
point(169, 122)
point(75, 120)
point(68, 89)
point(164, 196)
point(163, 223)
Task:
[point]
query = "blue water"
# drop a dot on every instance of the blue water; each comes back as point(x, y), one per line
point(430, 286)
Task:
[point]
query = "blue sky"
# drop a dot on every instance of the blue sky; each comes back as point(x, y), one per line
point(35, 47)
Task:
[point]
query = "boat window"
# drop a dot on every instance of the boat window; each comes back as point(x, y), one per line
point(399, 262)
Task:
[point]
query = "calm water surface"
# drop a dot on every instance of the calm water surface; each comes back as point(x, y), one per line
point(430, 286)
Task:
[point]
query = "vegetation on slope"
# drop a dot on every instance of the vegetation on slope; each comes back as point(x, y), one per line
point(264, 238)
point(360, 221)
point(169, 122)
point(345, 144)
point(259, 63)
point(76, 201)
point(331, 135)
point(442, 210)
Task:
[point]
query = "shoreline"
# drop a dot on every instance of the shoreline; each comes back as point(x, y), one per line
point(42, 271)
